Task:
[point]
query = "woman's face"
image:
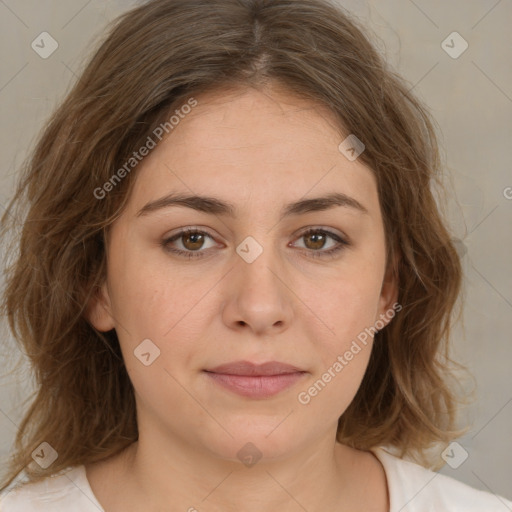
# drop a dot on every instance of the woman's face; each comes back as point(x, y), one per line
point(258, 287)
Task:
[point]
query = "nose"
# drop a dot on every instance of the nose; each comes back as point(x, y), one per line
point(258, 297)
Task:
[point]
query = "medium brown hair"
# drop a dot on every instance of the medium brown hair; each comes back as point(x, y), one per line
point(155, 57)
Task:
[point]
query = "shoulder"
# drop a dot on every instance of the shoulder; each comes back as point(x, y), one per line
point(61, 492)
point(413, 488)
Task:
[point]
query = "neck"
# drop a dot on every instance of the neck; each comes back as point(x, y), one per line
point(322, 476)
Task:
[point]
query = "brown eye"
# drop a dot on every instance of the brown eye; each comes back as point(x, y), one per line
point(192, 241)
point(317, 240)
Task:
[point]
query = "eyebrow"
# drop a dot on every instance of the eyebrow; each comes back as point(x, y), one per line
point(217, 206)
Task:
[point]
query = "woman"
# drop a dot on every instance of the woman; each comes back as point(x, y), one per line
point(234, 283)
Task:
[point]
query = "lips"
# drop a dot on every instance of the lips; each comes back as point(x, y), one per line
point(248, 368)
point(255, 380)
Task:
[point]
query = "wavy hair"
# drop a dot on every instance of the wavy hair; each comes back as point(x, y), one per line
point(151, 60)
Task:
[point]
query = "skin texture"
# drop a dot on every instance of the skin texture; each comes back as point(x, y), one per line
point(259, 150)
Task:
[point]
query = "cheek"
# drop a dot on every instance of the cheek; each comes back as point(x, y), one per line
point(165, 306)
point(343, 351)
point(149, 296)
point(342, 307)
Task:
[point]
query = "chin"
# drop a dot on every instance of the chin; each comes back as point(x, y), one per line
point(263, 441)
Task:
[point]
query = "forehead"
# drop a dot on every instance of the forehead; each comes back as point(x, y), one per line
point(247, 145)
point(245, 117)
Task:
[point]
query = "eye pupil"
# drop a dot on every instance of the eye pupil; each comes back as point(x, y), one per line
point(317, 238)
point(197, 241)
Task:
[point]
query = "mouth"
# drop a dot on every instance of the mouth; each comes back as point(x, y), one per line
point(256, 380)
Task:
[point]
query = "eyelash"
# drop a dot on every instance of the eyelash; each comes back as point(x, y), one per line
point(342, 243)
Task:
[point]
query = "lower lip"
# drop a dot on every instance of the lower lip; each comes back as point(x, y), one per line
point(263, 386)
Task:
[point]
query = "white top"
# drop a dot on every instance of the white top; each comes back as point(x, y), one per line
point(412, 488)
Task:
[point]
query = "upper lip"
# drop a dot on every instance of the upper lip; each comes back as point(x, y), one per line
point(248, 368)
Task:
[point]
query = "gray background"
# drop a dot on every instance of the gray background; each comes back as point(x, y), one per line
point(471, 99)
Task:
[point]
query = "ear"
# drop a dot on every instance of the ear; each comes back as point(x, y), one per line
point(99, 310)
point(389, 291)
